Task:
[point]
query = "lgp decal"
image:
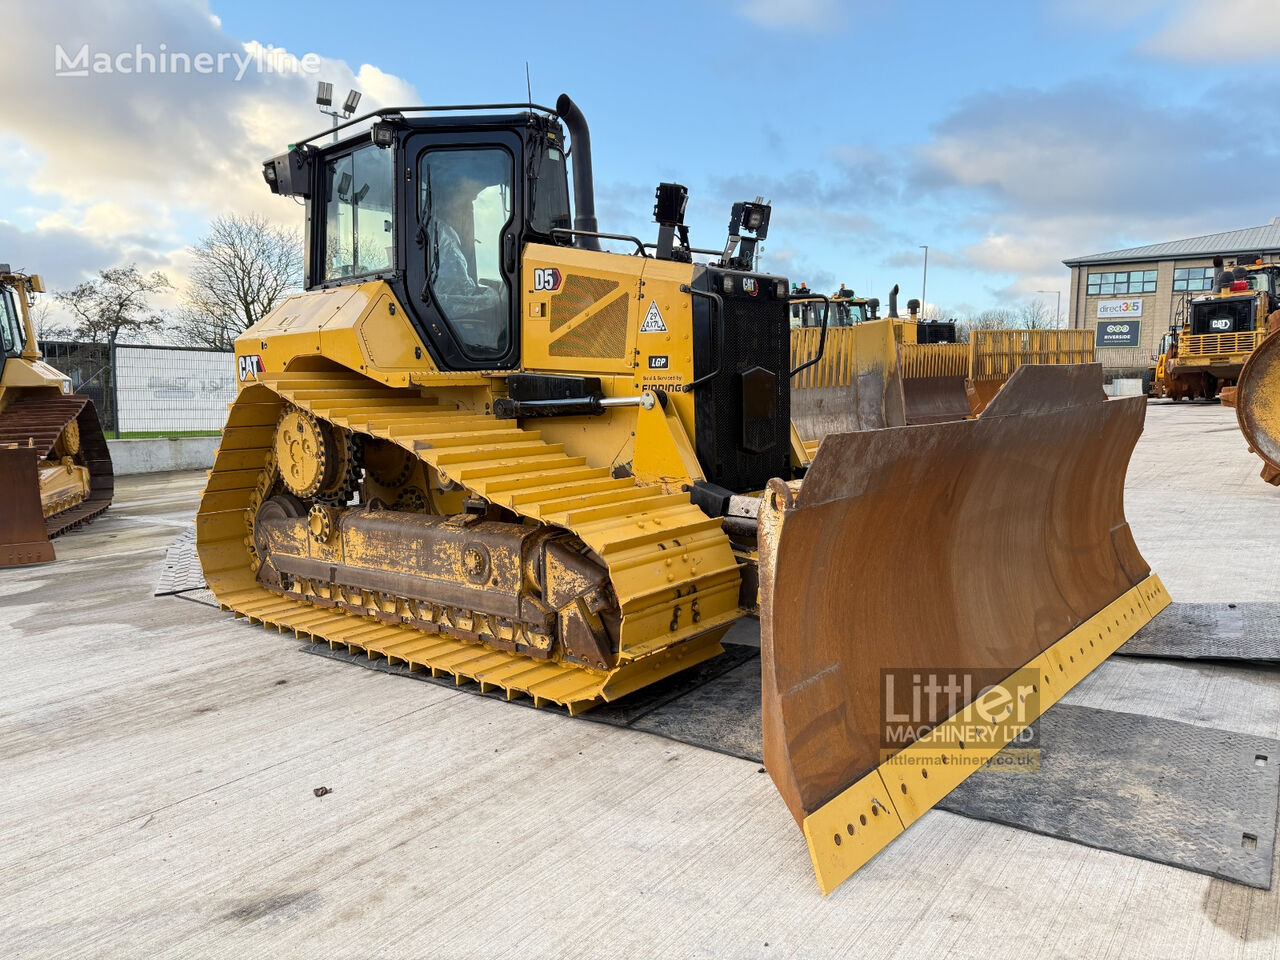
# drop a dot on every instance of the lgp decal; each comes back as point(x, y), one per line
point(546, 278)
point(653, 322)
point(659, 363)
point(250, 367)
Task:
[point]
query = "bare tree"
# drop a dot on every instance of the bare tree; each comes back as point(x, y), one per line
point(115, 303)
point(996, 318)
point(240, 270)
point(1036, 315)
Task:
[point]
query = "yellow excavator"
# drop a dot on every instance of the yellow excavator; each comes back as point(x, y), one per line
point(54, 463)
point(479, 445)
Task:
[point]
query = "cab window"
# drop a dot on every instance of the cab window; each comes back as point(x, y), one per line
point(359, 230)
point(10, 323)
point(465, 207)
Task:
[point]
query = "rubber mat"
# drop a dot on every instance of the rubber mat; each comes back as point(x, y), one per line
point(1210, 631)
point(1194, 797)
point(181, 571)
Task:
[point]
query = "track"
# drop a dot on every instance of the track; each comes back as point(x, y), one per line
point(36, 421)
point(671, 567)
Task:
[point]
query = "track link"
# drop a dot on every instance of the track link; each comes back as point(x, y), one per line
point(671, 567)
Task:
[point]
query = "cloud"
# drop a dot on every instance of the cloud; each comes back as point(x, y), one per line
point(801, 14)
point(1225, 30)
point(132, 163)
point(1047, 174)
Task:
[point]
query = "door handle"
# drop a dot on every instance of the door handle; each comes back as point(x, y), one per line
point(509, 252)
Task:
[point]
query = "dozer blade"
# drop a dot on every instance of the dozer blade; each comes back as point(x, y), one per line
point(991, 550)
point(23, 538)
point(935, 399)
point(1257, 403)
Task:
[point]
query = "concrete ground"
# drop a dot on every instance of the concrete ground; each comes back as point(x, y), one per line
point(158, 761)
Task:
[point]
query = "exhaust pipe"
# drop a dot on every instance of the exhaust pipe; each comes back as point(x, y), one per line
point(584, 192)
point(893, 303)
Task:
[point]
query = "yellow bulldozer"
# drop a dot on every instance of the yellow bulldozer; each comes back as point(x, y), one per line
point(54, 463)
point(930, 375)
point(1209, 342)
point(480, 445)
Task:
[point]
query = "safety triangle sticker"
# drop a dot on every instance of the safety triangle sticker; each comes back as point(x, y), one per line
point(653, 320)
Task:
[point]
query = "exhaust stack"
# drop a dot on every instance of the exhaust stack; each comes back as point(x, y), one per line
point(584, 193)
point(893, 302)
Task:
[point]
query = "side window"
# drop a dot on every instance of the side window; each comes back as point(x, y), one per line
point(359, 229)
point(465, 207)
point(10, 325)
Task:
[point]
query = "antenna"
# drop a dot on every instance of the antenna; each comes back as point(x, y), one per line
point(528, 84)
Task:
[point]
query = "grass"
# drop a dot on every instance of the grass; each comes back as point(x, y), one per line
point(153, 434)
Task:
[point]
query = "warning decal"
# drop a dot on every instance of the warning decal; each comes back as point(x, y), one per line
point(653, 320)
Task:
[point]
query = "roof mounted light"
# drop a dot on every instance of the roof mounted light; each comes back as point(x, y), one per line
point(324, 94)
point(353, 101)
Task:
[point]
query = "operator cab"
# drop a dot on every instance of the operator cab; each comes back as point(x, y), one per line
point(440, 208)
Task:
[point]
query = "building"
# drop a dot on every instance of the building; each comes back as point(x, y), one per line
point(1131, 297)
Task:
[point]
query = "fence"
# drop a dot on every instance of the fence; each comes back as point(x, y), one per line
point(149, 390)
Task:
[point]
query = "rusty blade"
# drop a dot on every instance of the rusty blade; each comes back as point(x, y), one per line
point(935, 399)
point(1257, 403)
point(22, 530)
point(972, 545)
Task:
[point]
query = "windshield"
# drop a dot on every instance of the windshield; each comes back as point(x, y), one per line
point(359, 235)
point(10, 323)
point(1260, 280)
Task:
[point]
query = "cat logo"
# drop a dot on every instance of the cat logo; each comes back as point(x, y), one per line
point(749, 286)
point(546, 278)
point(1220, 323)
point(250, 367)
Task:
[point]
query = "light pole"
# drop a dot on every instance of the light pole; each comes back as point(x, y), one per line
point(324, 99)
point(1057, 304)
point(924, 281)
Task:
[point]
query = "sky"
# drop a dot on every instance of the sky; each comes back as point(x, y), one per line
point(1005, 136)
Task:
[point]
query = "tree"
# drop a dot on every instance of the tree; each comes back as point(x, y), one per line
point(1036, 315)
point(997, 318)
point(114, 303)
point(240, 270)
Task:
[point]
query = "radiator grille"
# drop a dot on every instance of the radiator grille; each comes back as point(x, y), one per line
point(579, 294)
point(738, 451)
point(1204, 344)
point(602, 335)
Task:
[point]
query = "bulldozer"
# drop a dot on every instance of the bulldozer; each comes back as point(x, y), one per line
point(1214, 334)
point(54, 461)
point(940, 379)
point(1256, 398)
point(480, 445)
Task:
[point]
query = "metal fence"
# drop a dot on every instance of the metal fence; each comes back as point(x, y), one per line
point(147, 390)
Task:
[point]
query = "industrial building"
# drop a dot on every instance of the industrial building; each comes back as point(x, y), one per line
point(1130, 297)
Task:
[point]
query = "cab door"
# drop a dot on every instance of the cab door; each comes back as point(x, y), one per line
point(462, 262)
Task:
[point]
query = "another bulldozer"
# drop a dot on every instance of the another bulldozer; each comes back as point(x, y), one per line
point(54, 463)
point(930, 376)
point(1207, 347)
point(481, 446)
